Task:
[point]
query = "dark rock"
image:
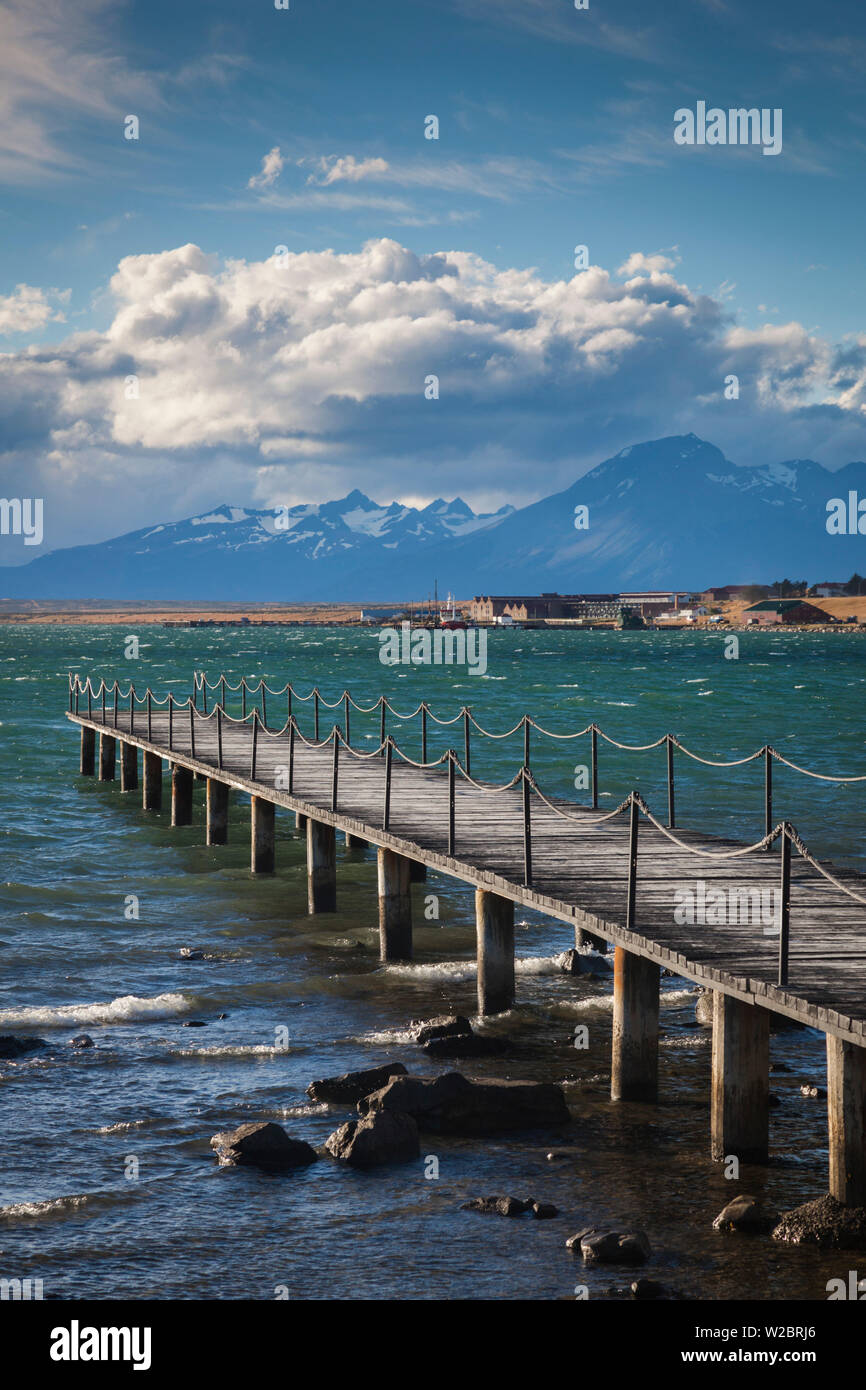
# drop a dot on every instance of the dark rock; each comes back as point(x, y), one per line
point(262, 1145)
point(467, 1045)
point(580, 963)
point(745, 1213)
point(353, 1086)
point(10, 1046)
point(195, 1023)
point(647, 1288)
point(81, 1040)
point(554, 1156)
point(447, 1026)
point(381, 1137)
point(611, 1247)
point(773, 1101)
point(499, 1206)
point(544, 1211)
point(826, 1223)
point(187, 953)
point(450, 1104)
point(813, 1092)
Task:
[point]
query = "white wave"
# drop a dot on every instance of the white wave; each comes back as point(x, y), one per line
point(122, 1127)
point(438, 970)
point(538, 965)
point(236, 1050)
point(122, 1010)
point(387, 1038)
point(55, 1206)
point(668, 999)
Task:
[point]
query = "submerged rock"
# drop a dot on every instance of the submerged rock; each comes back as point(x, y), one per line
point(824, 1222)
point(745, 1213)
point(576, 962)
point(813, 1092)
point(647, 1288)
point(447, 1026)
point(704, 1007)
point(499, 1206)
point(467, 1045)
point(381, 1137)
point(451, 1104)
point(82, 1040)
point(262, 1145)
point(194, 1023)
point(188, 953)
point(611, 1247)
point(352, 1086)
point(544, 1211)
point(11, 1047)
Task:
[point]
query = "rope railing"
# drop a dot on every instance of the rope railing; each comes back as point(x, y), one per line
point(523, 778)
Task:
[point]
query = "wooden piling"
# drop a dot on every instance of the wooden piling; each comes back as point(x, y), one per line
point(128, 767)
point(217, 812)
point(395, 905)
point(417, 871)
point(354, 841)
point(107, 757)
point(151, 797)
point(262, 856)
point(181, 795)
point(494, 923)
point(321, 867)
point(740, 1087)
point(634, 1068)
point(846, 1111)
point(87, 763)
point(586, 939)
point(300, 821)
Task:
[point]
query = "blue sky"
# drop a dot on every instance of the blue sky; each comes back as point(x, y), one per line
point(305, 129)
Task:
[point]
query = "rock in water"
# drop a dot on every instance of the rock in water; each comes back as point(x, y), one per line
point(11, 1047)
point(647, 1288)
point(582, 963)
point(825, 1222)
point(382, 1137)
point(353, 1086)
point(262, 1145)
point(745, 1213)
point(189, 953)
point(81, 1040)
point(611, 1247)
point(704, 1007)
point(466, 1045)
point(448, 1026)
point(544, 1211)
point(499, 1206)
point(451, 1104)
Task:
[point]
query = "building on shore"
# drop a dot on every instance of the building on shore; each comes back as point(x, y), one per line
point(522, 608)
point(784, 610)
point(830, 588)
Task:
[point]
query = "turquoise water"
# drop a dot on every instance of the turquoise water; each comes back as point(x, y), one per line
point(75, 852)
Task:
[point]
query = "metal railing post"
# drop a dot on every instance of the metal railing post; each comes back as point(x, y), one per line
point(633, 824)
point(672, 816)
point(784, 904)
point(594, 761)
point(527, 829)
point(386, 806)
point(335, 770)
point(768, 791)
point(452, 799)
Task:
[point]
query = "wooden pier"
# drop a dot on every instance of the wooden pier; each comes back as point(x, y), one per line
point(611, 878)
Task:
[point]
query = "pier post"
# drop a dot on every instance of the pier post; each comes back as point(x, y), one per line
point(321, 867)
point(846, 1109)
point(583, 938)
point(354, 841)
point(262, 856)
point(128, 767)
point(417, 872)
point(107, 757)
point(217, 812)
point(181, 795)
point(87, 763)
point(395, 905)
point(151, 798)
point(740, 1095)
point(634, 1069)
point(300, 821)
point(494, 924)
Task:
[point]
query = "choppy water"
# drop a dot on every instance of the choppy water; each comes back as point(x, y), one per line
point(152, 1090)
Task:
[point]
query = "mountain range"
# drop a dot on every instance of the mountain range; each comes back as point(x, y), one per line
point(668, 512)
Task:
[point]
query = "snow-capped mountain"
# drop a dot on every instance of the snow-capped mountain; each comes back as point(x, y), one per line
point(669, 512)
